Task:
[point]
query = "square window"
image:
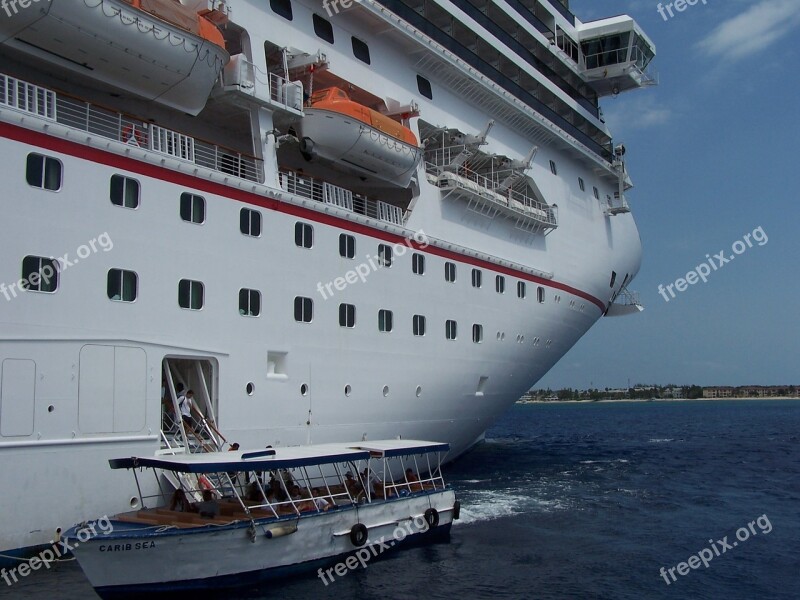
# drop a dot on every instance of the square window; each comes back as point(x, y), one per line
point(500, 284)
point(347, 246)
point(193, 208)
point(303, 309)
point(249, 302)
point(323, 28)
point(385, 255)
point(360, 50)
point(347, 315)
point(450, 272)
point(39, 274)
point(122, 286)
point(303, 235)
point(124, 192)
point(477, 278)
point(385, 320)
point(191, 294)
point(418, 264)
point(418, 325)
point(282, 8)
point(250, 222)
point(43, 172)
point(424, 87)
point(450, 329)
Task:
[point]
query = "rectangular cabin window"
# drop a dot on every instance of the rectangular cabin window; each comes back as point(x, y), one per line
point(303, 309)
point(347, 246)
point(450, 329)
point(384, 255)
point(522, 289)
point(347, 315)
point(39, 274)
point(450, 272)
point(596, 192)
point(282, 8)
point(418, 264)
point(191, 294)
point(477, 333)
point(385, 320)
point(193, 208)
point(553, 168)
point(581, 184)
point(122, 285)
point(44, 172)
point(249, 302)
point(500, 284)
point(477, 278)
point(323, 28)
point(424, 87)
point(540, 294)
point(250, 222)
point(124, 192)
point(418, 325)
point(360, 50)
point(303, 235)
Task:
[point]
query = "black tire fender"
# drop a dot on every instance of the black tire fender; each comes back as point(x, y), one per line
point(359, 535)
point(456, 510)
point(432, 518)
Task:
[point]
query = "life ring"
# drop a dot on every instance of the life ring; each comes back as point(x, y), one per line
point(358, 535)
point(432, 518)
point(456, 510)
point(131, 133)
point(204, 483)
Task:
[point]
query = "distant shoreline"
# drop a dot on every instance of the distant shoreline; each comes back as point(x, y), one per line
point(616, 400)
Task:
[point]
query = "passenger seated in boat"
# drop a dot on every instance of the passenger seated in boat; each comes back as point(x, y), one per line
point(354, 488)
point(209, 507)
point(180, 503)
point(413, 481)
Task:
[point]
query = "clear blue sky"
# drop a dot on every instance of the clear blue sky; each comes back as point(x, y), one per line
point(714, 153)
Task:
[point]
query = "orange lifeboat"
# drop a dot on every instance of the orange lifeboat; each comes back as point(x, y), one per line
point(357, 138)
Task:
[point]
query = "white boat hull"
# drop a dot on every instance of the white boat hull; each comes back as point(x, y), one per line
point(138, 558)
point(357, 146)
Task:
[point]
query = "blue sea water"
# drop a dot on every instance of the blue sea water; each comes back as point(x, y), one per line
point(591, 501)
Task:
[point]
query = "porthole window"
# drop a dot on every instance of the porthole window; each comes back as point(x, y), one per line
point(250, 388)
point(348, 390)
point(304, 389)
point(385, 391)
point(418, 391)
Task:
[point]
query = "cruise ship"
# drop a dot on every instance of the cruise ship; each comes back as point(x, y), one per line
point(331, 221)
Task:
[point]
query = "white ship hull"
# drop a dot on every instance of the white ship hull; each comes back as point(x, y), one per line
point(82, 374)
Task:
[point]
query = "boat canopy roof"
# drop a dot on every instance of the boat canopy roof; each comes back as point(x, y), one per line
point(277, 458)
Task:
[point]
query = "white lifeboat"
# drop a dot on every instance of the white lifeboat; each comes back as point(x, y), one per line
point(157, 49)
point(357, 138)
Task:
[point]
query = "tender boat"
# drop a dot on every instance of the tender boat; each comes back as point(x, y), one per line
point(159, 50)
point(357, 137)
point(265, 514)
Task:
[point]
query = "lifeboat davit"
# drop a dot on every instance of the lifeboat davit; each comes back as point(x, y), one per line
point(159, 50)
point(357, 138)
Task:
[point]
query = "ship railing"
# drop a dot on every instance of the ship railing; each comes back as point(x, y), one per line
point(246, 77)
point(327, 193)
point(438, 162)
point(78, 114)
point(27, 97)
